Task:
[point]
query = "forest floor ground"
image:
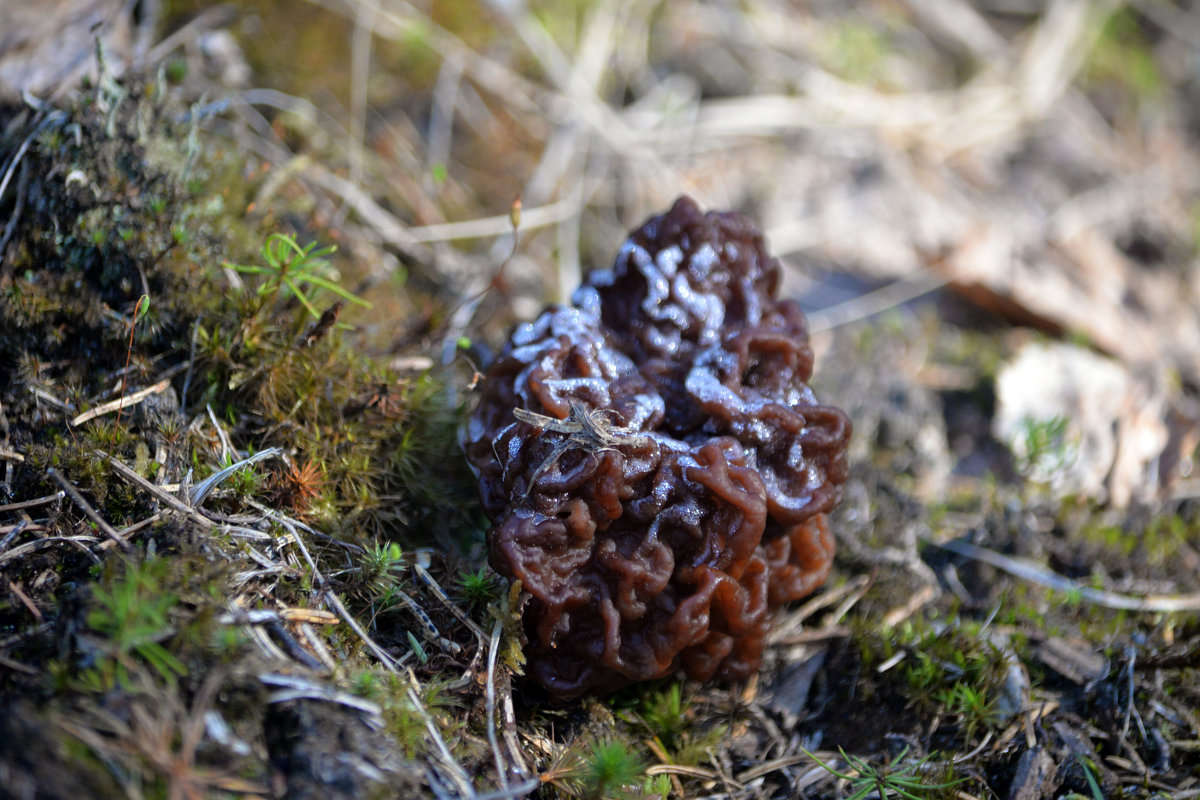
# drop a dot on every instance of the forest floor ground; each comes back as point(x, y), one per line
point(240, 554)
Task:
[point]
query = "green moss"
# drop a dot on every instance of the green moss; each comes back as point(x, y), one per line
point(132, 612)
point(152, 210)
point(480, 588)
point(612, 769)
point(1122, 57)
point(665, 715)
point(856, 50)
point(402, 717)
point(904, 776)
point(948, 670)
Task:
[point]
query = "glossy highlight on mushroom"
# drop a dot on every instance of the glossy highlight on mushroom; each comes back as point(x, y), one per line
point(657, 470)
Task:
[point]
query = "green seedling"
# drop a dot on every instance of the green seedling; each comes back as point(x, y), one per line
point(972, 706)
point(894, 780)
point(381, 563)
point(1046, 447)
point(244, 482)
point(299, 270)
point(611, 766)
point(479, 588)
point(131, 615)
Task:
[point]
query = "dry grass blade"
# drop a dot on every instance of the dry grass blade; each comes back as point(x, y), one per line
point(490, 698)
point(766, 768)
point(788, 626)
point(389, 663)
point(498, 225)
point(201, 490)
point(428, 629)
point(449, 604)
point(158, 732)
point(17, 666)
point(29, 547)
point(37, 501)
point(1037, 574)
point(683, 769)
point(157, 492)
point(873, 303)
point(584, 429)
point(122, 403)
point(87, 509)
point(293, 687)
point(294, 536)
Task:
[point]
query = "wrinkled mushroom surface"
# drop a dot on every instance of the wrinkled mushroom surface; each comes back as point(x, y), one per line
point(656, 467)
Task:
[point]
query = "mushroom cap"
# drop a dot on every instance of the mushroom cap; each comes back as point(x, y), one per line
point(655, 465)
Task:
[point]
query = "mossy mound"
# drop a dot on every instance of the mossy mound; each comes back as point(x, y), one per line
point(203, 441)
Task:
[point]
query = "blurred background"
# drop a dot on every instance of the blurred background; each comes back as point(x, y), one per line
point(1002, 191)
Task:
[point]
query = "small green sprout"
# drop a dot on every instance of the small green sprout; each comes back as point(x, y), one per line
point(380, 561)
point(972, 706)
point(1045, 447)
point(611, 766)
point(1089, 772)
point(417, 649)
point(382, 565)
point(665, 714)
point(438, 173)
point(132, 614)
point(888, 781)
point(243, 482)
point(297, 269)
point(479, 588)
point(657, 786)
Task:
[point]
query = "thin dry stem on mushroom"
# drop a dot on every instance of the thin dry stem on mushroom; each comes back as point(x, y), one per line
point(584, 429)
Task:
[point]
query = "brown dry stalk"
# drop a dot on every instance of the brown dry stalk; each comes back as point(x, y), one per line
point(585, 429)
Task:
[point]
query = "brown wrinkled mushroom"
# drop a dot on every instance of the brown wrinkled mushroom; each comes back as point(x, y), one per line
point(656, 467)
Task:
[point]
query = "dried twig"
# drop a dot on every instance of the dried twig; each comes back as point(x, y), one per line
point(493, 647)
point(274, 514)
point(39, 501)
point(124, 402)
point(1037, 574)
point(158, 492)
point(16, 589)
point(531, 219)
point(318, 578)
point(915, 602)
point(17, 666)
point(428, 629)
point(335, 604)
point(873, 303)
point(42, 393)
point(360, 65)
point(785, 625)
point(38, 544)
point(13, 531)
point(451, 606)
point(584, 430)
point(295, 687)
point(227, 449)
point(87, 509)
point(54, 118)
